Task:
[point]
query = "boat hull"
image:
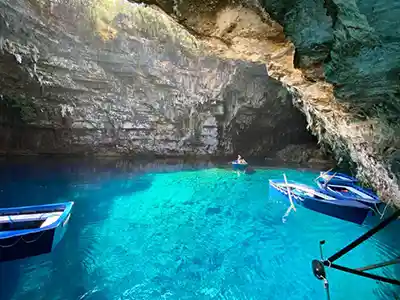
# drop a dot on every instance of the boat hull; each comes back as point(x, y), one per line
point(371, 200)
point(340, 209)
point(338, 178)
point(33, 244)
point(19, 244)
point(346, 213)
point(60, 232)
point(239, 167)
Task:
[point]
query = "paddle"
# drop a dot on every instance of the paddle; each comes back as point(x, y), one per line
point(330, 178)
point(322, 174)
point(289, 194)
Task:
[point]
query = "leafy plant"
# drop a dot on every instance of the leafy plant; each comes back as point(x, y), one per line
point(22, 106)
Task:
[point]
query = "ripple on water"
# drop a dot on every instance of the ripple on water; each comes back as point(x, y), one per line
point(205, 234)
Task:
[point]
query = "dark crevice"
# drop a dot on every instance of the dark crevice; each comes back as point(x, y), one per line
point(331, 11)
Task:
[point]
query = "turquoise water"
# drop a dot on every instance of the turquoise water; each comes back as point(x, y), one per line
point(208, 233)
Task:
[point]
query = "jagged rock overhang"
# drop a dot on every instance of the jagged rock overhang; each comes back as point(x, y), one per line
point(333, 111)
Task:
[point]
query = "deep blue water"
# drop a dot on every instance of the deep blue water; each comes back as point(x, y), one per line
point(151, 231)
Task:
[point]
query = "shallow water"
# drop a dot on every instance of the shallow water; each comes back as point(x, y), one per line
point(183, 232)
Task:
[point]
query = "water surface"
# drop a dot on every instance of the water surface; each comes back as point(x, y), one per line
point(151, 231)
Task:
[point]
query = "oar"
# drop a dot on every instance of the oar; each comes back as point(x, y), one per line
point(289, 194)
point(323, 173)
point(330, 178)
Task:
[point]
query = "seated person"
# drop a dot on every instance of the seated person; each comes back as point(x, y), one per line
point(241, 161)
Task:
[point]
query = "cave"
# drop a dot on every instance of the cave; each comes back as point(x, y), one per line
point(96, 94)
point(203, 78)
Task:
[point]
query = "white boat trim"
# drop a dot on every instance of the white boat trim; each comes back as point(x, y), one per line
point(327, 177)
point(351, 189)
point(308, 191)
point(49, 221)
point(48, 218)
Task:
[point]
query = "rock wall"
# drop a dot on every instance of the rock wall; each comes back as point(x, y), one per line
point(118, 78)
point(113, 77)
point(339, 60)
point(355, 46)
point(357, 41)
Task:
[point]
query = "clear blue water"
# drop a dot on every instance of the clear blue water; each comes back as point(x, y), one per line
point(144, 232)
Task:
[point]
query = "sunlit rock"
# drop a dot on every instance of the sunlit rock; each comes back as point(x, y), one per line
point(114, 77)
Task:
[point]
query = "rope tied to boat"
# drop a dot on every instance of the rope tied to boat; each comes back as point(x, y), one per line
point(11, 245)
point(329, 263)
point(22, 237)
point(34, 240)
point(378, 212)
point(24, 240)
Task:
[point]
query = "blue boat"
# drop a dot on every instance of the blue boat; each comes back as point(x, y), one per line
point(238, 166)
point(350, 191)
point(320, 201)
point(334, 177)
point(32, 230)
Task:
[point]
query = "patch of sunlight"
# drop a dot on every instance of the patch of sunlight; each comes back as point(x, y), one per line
point(138, 20)
point(103, 13)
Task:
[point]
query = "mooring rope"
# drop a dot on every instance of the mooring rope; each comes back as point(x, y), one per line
point(24, 240)
point(22, 236)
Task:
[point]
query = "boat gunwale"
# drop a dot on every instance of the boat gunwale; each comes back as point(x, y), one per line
point(338, 177)
point(235, 163)
point(16, 233)
point(334, 201)
point(372, 197)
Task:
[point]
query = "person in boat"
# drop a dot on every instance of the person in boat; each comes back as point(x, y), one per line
point(241, 160)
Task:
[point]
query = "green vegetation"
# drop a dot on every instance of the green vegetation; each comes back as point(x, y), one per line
point(20, 109)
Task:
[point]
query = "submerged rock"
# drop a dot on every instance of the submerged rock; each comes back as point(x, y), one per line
point(93, 76)
point(213, 210)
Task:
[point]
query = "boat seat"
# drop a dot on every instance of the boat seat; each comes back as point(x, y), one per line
point(30, 212)
point(50, 221)
point(28, 217)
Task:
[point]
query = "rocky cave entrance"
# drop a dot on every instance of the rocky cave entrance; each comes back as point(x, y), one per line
point(125, 102)
point(275, 131)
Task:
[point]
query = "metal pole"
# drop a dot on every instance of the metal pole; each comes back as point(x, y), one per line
point(364, 274)
point(326, 286)
point(364, 237)
point(384, 264)
point(320, 249)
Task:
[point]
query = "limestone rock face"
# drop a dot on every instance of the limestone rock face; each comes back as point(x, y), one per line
point(114, 77)
point(355, 46)
point(357, 41)
point(338, 59)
